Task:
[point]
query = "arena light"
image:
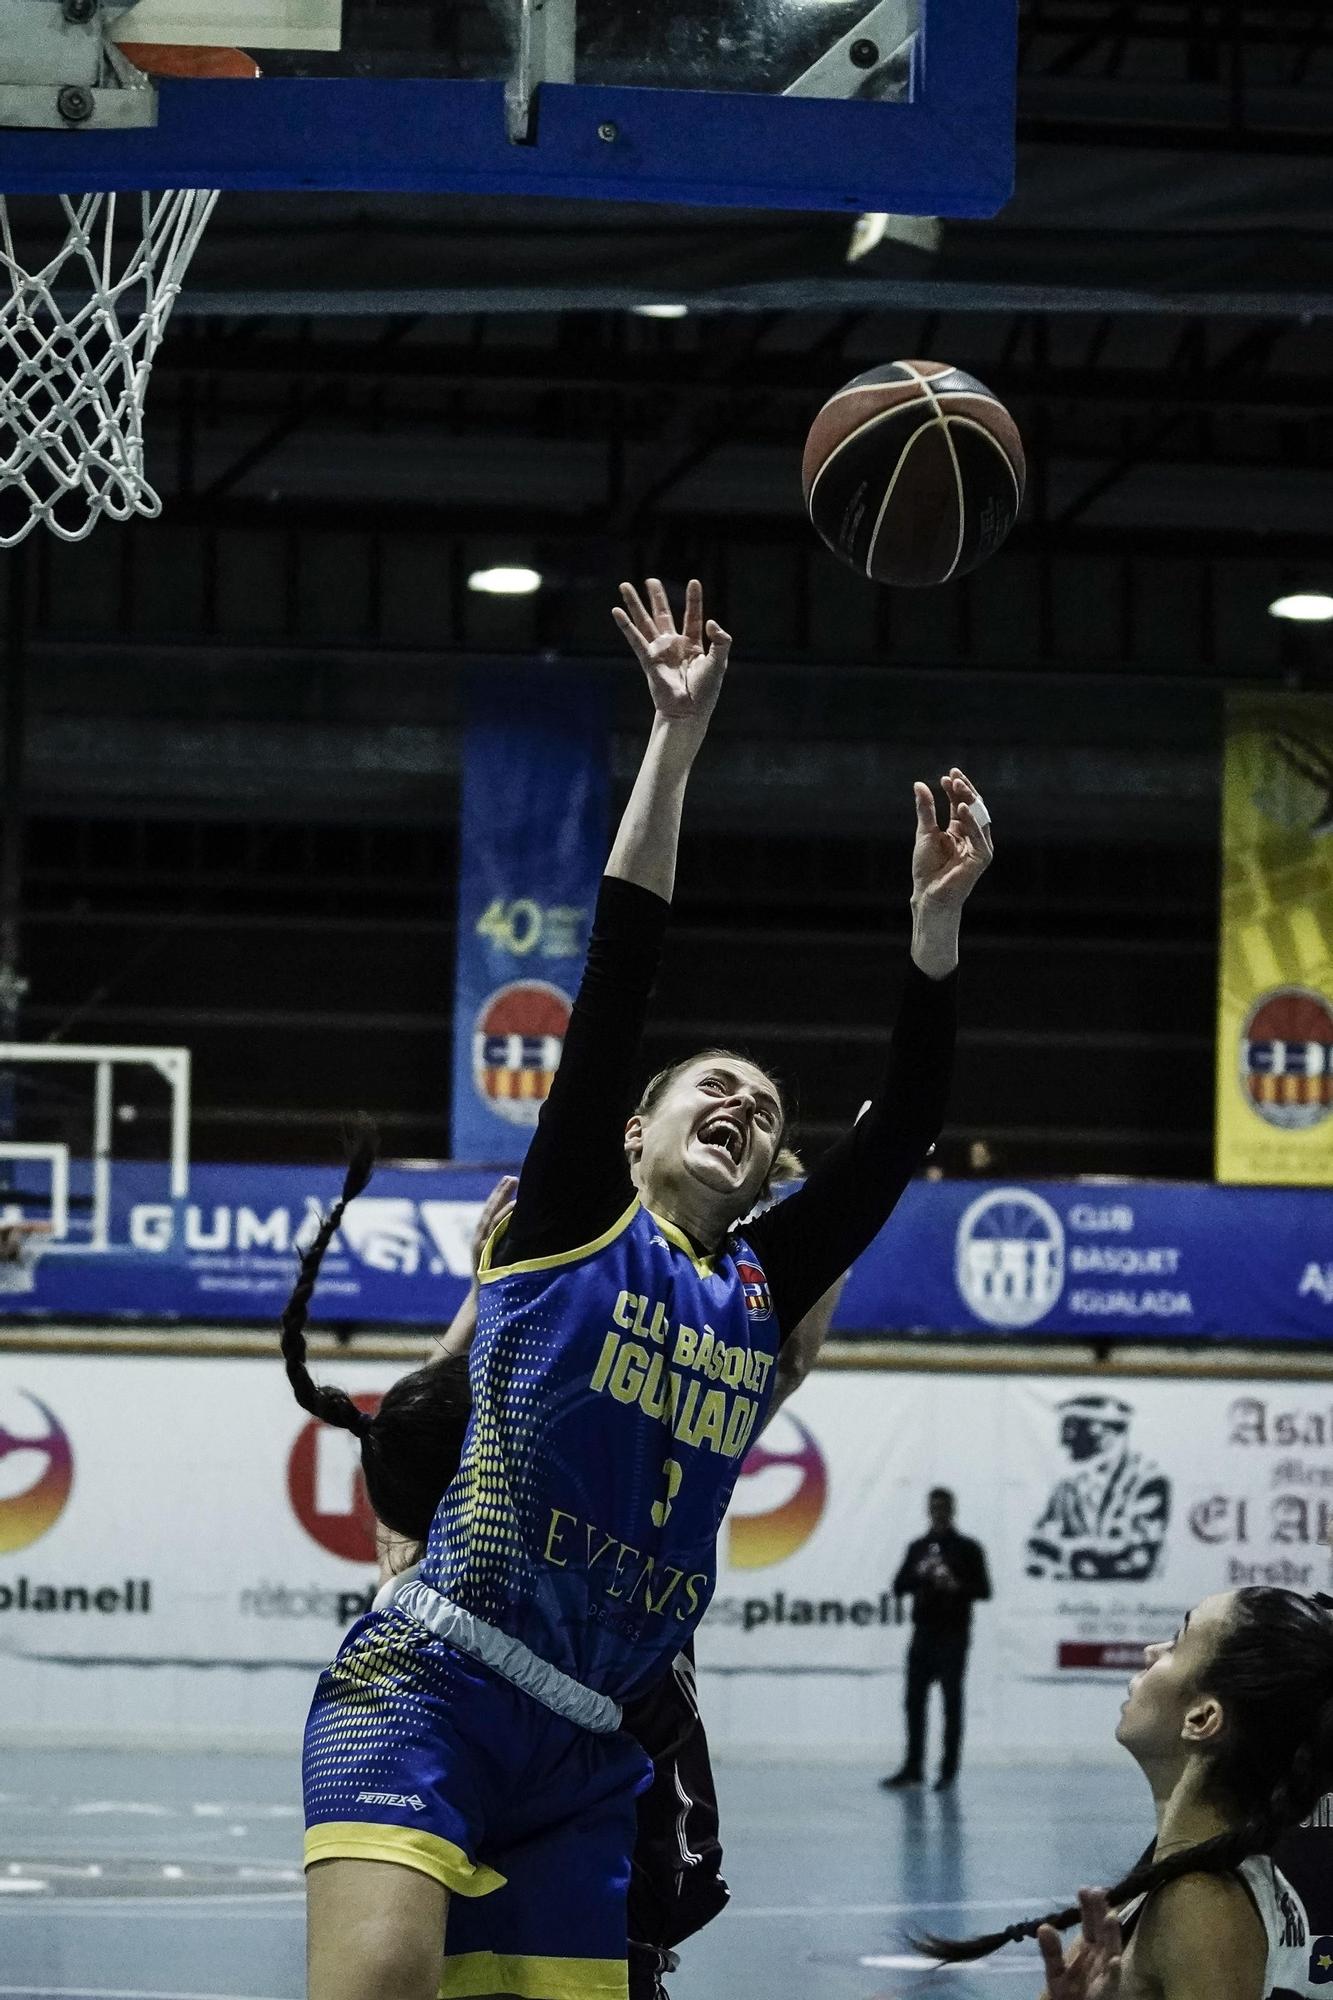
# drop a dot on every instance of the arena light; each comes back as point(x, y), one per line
point(661, 312)
point(506, 580)
point(1305, 607)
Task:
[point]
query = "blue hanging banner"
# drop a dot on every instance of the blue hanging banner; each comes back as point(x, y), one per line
point(532, 845)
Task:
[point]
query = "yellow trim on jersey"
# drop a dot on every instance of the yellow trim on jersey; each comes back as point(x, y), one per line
point(487, 1275)
point(474, 1973)
point(366, 1840)
point(705, 1266)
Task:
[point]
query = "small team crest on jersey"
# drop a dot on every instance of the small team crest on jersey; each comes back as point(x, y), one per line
point(517, 1040)
point(754, 1284)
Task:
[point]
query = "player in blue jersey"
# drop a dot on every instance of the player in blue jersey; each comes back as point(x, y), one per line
point(464, 1756)
point(676, 1885)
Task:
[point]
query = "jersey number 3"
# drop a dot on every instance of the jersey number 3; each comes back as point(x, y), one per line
point(673, 1472)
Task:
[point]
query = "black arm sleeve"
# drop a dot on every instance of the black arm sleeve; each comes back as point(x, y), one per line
point(575, 1181)
point(812, 1237)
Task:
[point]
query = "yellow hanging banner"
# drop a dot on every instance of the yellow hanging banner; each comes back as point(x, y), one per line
point(1275, 983)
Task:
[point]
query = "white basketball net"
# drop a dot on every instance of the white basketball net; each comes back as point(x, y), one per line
point(77, 341)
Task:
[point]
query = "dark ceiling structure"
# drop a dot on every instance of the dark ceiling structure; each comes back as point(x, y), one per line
point(233, 733)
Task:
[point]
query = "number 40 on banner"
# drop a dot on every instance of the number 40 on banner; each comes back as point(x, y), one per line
point(521, 925)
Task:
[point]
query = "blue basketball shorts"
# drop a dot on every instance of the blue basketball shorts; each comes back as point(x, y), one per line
point(416, 1754)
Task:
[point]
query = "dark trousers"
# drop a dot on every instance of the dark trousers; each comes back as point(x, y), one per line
point(942, 1657)
point(676, 1884)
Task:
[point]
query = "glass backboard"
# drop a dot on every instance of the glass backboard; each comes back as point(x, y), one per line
point(900, 105)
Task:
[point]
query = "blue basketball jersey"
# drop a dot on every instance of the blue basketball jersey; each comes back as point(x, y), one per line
point(616, 1389)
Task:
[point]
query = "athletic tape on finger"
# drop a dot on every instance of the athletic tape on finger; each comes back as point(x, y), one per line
point(980, 817)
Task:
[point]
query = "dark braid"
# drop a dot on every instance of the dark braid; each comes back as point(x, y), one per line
point(331, 1406)
point(411, 1446)
point(1272, 1670)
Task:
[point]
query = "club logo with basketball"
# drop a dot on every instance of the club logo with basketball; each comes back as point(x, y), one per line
point(1009, 1257)
point(1286, 1058)
point(36, 1470)
point(516, 1047)
point(328, 1491)
point(780, 1497)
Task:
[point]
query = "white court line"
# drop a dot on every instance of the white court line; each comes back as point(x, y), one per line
point(284, 1903)
point(117, 1993)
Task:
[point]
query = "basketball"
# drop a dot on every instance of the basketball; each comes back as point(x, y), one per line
point(913, 472)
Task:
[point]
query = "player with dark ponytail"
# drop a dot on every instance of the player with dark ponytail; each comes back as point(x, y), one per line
point(1231, 1722)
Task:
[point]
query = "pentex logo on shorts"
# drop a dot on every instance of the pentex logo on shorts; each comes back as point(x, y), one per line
point(391, 1799)
point(517, 1041)
point(754, 1284)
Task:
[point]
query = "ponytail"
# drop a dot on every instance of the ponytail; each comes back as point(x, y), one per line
point(1272, 1670)
point(331, 1406)
point(1218, 1856)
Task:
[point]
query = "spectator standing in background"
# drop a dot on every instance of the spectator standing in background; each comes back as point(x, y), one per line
point(944, 1574)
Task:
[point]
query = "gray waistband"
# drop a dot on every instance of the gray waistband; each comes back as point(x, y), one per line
point(509, 1658)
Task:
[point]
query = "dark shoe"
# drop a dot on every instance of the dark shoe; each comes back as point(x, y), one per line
point(946, 1781)
point(900, 1780)
point(647, 1965)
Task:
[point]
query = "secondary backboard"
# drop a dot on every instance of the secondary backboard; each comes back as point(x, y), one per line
point(63, 1103)
point(898, 105)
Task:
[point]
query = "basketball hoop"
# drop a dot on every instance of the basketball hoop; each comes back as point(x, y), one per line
point(21, 1246)
point(77, 341)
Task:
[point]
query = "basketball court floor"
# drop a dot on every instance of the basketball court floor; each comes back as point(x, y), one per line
point(176, 1877)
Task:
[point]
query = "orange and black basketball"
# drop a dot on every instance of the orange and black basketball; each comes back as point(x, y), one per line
point(913, 472)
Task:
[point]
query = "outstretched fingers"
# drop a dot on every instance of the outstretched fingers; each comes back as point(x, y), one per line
point(693, 623)
point(661, 607)
point(1101, 1926)
point(719, 643)
point(1052, 1955)
point(967, 811)
point(638, 644)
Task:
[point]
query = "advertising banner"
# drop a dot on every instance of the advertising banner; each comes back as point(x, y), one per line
point(181, 1549)
point(1106, 1509)
point(970, 1258)
point(532, 845)
point(1275, 984)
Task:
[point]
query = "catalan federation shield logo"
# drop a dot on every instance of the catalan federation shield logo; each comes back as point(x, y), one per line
point(516, 1046)
point(1286, 1058)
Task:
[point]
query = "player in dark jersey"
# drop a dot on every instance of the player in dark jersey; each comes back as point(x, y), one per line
point(464, 1754)
point(1231, 1722)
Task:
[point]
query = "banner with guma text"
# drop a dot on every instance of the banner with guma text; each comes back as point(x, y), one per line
point(1274, 1117)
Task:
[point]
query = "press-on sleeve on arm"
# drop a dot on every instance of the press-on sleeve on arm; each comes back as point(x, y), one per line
point(575, 1181)
point(809, 1239)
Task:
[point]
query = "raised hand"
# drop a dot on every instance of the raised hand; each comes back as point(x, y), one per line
point(949, 861)
point(684, 674)
point(1092, 1971)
